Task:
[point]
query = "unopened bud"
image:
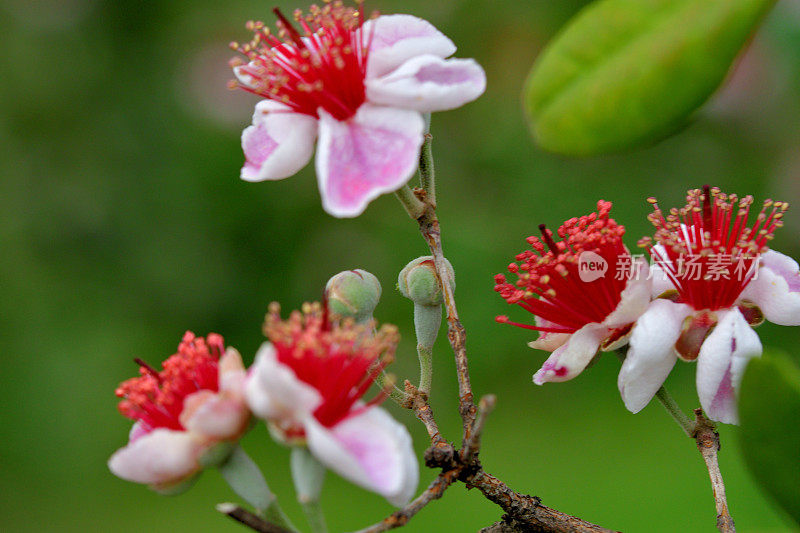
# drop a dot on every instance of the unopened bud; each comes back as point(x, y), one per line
point(417, 281)
point(353, 293)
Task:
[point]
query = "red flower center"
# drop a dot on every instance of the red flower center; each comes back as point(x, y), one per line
point(710, 254)
point(322, 67)
point(155, 399)
point(579, 280)
point(340, 360)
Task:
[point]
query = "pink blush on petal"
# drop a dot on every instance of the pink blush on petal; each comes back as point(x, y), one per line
point(366, 158)
point(725, 394)
point(359, 159)
point(442, 74)
point(258, 146)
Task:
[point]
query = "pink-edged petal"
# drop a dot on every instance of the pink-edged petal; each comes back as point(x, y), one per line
point(273, 391)
point(723, 358)
point(548, 341)
point(278, 144)
point(397, 38)
point(161, 457)
point(660, 279)
point(374, 152)
point(776, 289)
point(370, 449)
point(220, 416)
point(429, 83)
point(571, 358)
point(635, 297)
point(651, 355)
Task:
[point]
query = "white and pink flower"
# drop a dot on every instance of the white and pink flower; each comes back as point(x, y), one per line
point(356, 89)
point(194, 404)
point(715, 279)
point(308, 381)
point(579, 310)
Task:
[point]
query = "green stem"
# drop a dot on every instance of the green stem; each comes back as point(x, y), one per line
point(666, 399)
point(669, 403)
point(275, 515)
point(413, 205)
point(397, 395)
point(308, 475)
point(425, 368)
point(246, 480)
point(315, 516)
point(427, 319)
point(426, 171)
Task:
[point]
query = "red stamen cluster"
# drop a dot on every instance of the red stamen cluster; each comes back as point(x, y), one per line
point(155, 399)
point(324, 67)
point(549, 283)
point(711, 253)
point(341, 360)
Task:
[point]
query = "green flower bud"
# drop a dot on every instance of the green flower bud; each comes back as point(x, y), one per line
point(353, 293)
point(417, 281)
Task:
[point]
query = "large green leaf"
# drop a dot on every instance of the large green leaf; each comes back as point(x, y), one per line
point(629, 72)
point(769, 410)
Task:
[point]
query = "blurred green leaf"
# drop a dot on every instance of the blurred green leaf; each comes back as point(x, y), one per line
point(769, 408)
point(629, 72)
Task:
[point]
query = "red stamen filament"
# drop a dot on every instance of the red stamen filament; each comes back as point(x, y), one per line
point(324, 67)
point(710, 254)
point(549, 283)
point(155, 399)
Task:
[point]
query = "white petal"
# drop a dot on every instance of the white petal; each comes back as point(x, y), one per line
point(429, 83)
point(721, 363)
point(372, 450)
point(220, 416)
point(651, 355)
point(374, 152)
point(278, 144)
point(661, 282)
point(161, 457)
point(273, 391)
point(398, 38)
point(635, 298)
point(571, 358)
point(776, 289)
point(231, 372)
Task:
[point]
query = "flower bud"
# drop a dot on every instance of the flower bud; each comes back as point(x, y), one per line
point(417, 281)
point(353, 293)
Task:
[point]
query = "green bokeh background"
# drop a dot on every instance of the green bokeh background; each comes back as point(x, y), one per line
point(124, 223)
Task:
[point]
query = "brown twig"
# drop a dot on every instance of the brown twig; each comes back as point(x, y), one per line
point(525, 511)
point(418, 402)
point(528, 510)
point(507, 525)
point(708, 443)
point(401, 517)
point(473, 445)
point(464, 464)
point(429, 227)
point(251, 520)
